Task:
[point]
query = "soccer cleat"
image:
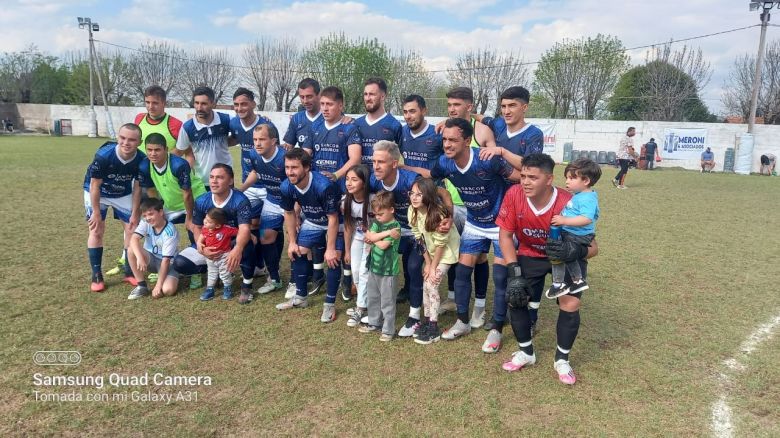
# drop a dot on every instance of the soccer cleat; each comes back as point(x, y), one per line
point(328, 313)
point(410, 326)
point(386, 337)
point(153, 277)
point(368, 328)
point(578, 286)
point(316, 285)
point(130, 280)
point(207, 294)
point(615, 182)
point(97, 284)
point(354, 318)
point(459, 329)
point(447, 306)
point(227, 293)
point(346, 293)
point(556, 291)
point(493, 342)
point(291, 291)
point(196, 282)
point(431, 334)
point(518, 361)
point(565, 372)
point(477, 317)
point(261, 272)
point(118, 269)
point(294, 302)
point(246, 295)
point(138, 292)
point(269, 287)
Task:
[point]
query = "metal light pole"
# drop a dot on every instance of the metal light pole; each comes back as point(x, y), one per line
point(86, 22)
point(766, 6)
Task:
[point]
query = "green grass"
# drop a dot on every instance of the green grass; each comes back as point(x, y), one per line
point(686, 271)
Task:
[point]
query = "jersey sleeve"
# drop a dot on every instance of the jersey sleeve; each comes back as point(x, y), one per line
point(507, 214)
point(98, 167)
point(437, 170)
point(199, 213)
point(290, 136)
point(170, 245)
point(183, 140)
point(230, 231)
point(332, 199)
point(587, 206)
point(287, 202)
point(535, 144)
point(501, 166)
point(174, 126)
point(308, 141)
point(142, 228)
point(144, 175)
point(182, 174)
point(139, 118)
point(354, 136)
point(244, 212)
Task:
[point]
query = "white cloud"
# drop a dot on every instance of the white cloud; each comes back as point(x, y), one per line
point(459, 8)
point(152, 15)
point(224, 18)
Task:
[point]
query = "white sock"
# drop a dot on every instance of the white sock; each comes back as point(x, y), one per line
point(479, 302)
point(414, 312)
point(451, 295)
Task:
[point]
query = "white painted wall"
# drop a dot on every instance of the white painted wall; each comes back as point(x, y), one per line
point(600, 135)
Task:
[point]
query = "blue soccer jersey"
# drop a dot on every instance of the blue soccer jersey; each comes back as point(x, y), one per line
point(421, 150)
point(318, 199)
point(400, 189)
point(243, 134)
point(480, 184)
point(116, 173)
point(270, 173)
point(237, 208)
point(209, 143)
point(368, 133)
point(528, 140)
point(329, 145)
point(299, 127)
point(180, 169)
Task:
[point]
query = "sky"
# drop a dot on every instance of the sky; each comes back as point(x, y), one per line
point(438, 29)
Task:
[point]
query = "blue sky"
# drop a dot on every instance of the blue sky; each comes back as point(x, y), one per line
point(439, 29)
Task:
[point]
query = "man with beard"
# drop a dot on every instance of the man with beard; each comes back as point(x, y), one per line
point(300, 122)
point(377, 124)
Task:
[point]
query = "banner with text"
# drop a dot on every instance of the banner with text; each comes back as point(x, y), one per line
point(683, 144)
point(549, 137)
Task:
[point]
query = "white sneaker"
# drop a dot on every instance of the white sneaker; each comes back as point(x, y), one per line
point(457, 330)
point(294, 302)
point(493, 342)
point(328, 313)
point(477, 317)
point(410, 326)
point(518, 361)
point(290, 291)
point(269, 287)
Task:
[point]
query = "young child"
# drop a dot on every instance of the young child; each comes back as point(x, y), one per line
point(217, 236)
point(355, 209)
point(578, 222)
point(441, 251)
point(161, 241)
point(384, 238)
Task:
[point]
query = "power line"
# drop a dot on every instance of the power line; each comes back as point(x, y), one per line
point(448, 70)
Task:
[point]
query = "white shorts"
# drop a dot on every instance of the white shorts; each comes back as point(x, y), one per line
point(255, 194)
point(123, 207)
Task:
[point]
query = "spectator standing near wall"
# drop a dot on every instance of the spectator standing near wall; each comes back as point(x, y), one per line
point(625, 154)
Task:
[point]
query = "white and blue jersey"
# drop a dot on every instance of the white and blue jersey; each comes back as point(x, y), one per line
point(329, 145)
point(243, 134)
point(160, 245)
point(321, 197)
point(236, 207)
point(298, 129)
point(368, 133)
point(480, 185)
point(404, 181)
point(209, 143)
point(270, 175)
point(528, 140)
point(117, 174)
point(420, 150)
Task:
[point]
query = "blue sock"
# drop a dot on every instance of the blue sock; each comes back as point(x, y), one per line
point(95, 259)
point(271, 258)
point(481, 278)
point(301, 267)
point(142, 284)
point(318, 259)
point(280, 242)
point(259, 259)
point(334, 278)
point(463, 290)
point(499, 299)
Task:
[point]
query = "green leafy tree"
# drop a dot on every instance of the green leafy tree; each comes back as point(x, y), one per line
point(17, 73)
point(48, 83)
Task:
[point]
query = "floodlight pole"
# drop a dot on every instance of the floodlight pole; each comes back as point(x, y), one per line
point(87, 22)
point(757, 75)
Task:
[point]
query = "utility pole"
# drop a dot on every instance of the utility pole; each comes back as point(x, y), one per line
point(86, 22)
point(759, 65)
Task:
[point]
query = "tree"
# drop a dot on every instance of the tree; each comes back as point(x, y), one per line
point(576, 76)
point(337, 60)
point(409, 76)
point(156, 63)
point(209, 68)
point(48, 83)
point(285, 60)
point(259, 56)
point(17, 71)
point(739, 87)
point(488, 74)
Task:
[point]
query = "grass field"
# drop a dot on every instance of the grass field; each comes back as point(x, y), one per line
point(687, 269)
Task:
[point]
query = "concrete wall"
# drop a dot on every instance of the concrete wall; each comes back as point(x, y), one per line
point(597, 135)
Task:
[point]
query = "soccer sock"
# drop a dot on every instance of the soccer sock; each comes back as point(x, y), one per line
point(566, 332)
point(463, 290)
point(271, 257)
point(280, 242)
point(126, 266)
point(347, 280)
point(521, 325)
point(301, 267)
point(318, 259)
point(333, 278)
point(142, 284)
point(533, 311)
point(95, 259)
point(481, 277)
point(414, 313)
point(259, 259)
point(499, 298)
point(526, 347)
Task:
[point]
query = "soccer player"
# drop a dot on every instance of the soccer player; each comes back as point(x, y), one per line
point(319, 198)
point(192, 261)
point(112, 181)
point(377, 124)
point(161, 241)
point(525, 215)
point(169, 177)
point(420, 144)
point(388, 177)
point(481, 186)
point(300, 122)
point(266, 162)
point(156, 120)
point(203, 140)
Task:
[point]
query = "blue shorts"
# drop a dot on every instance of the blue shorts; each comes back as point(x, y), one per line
point(271, 217)
point(311, 237)
point(122, 207)
point(475, 240)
